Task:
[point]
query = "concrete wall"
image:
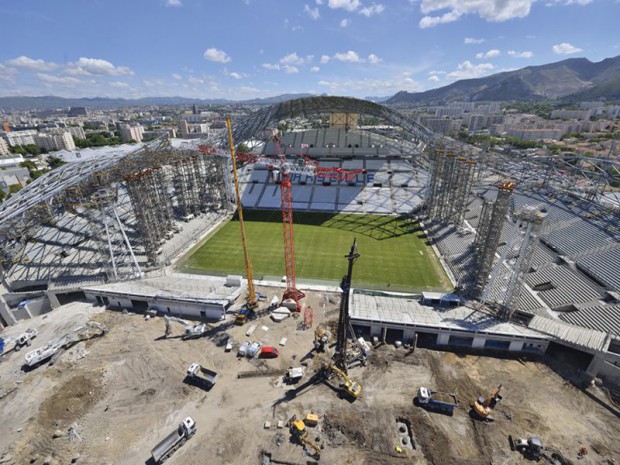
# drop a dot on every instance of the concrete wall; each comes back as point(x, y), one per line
point(39, 306)
point(478, 341)
point(610, 368)
point(192, 310)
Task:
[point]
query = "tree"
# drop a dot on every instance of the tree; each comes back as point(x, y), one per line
point(2, 195)
point(15, 188)
point(243, 148)
point(55, 162)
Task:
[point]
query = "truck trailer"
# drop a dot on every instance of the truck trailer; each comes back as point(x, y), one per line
point(173, 441)
point(437, 401)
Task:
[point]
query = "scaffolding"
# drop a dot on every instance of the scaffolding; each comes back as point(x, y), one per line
point(152, 207)
point(488, 234)
point(452, 179)
point(505, 285)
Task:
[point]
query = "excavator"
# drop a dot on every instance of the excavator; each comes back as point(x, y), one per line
point(348, 387)
point(483, 405)
point(191, 331)
point(300, 432)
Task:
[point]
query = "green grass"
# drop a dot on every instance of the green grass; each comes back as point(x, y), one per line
point(394, 253)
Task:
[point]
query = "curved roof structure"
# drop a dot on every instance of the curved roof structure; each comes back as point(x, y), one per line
point(268, 117)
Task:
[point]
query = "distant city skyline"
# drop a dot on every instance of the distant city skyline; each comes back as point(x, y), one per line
point(243, 49)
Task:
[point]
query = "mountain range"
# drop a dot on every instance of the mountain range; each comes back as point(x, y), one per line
point(575, 79)
point(571, 80)
point(98, 103)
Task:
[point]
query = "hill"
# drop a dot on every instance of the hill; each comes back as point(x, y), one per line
point(575, 78)
point(96, 103)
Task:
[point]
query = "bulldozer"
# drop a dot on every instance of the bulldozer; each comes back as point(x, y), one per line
point(483, 405)
point(300, 432)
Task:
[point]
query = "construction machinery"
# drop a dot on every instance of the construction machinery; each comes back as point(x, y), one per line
point(348, 387)
point(16, 344)
point(300, 432)
point(55, 348)
point(251, 299)
point(437, 401)
point(190, 331)
point(483, 405)
point(283, 169)
point(531, 448)
point(201, 375)
point(344, 325)
point(162, 451)
point(321, 338)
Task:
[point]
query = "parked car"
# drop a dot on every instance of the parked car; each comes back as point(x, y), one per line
point(254, 348)
point(229, 344)
point(269, 352)
point(243, 350)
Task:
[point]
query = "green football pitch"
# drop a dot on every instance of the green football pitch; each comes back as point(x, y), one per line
point(394, 253)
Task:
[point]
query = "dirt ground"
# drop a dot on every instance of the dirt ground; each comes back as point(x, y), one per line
point(122, 393)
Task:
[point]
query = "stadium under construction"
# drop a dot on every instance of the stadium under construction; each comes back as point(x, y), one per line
point(531, 244)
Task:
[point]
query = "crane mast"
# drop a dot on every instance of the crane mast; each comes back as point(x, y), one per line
point(251, 300)
point(304, 166)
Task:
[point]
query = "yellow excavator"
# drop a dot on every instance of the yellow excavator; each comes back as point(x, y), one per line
point(348, 387)
point(483, 405)
point(300, 432)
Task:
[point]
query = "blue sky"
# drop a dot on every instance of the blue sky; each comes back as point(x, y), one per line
point(241, 49)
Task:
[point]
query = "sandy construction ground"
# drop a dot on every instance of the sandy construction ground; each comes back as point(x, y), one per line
point(122, 393)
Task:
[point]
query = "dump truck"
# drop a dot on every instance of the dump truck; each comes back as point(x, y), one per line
point(174, 440)
point(202, 375)
point(436, 401)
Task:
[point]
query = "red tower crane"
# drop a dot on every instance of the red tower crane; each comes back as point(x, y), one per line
point(304, 166)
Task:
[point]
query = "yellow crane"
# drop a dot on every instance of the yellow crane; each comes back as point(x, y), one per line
point(251, 300)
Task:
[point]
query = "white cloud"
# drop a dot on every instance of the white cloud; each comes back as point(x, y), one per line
point(524, 54)
point(29, 63)
point(467, 70)
point(491, 10)
point(61, 80)
point(271, 66)
point(290, 69)
point(374, 59)
point(371, 86)
point(372, 10)
point(472, 40)
point(349, 5)
point(315, 69)
point(347, 57)
point(430, 21)
point(325, 59)
point(293, 59)
point(177, 76)
point(219, 56)
point(319, 2)
point(119, 85)
point(195, 81)
point(312, 12)
point(345, 22)
point(434, 78)
point(248, 90)
point(490, 54)
point(438, 72)
point(565, 49)
point(97, 67)
point(174, 3)
point(235, 75)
